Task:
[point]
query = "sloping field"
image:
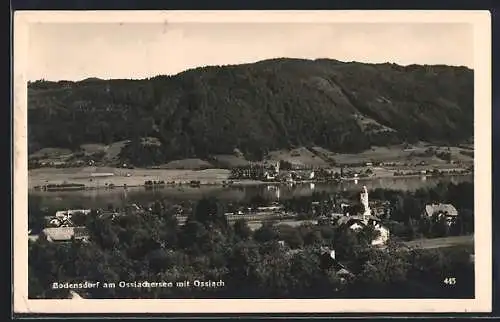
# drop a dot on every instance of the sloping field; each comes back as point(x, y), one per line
point(400, 154)
point(299, 156)
point(93, 148)
point(111, 151)
point(52, 153)
point(229, 161)
point(187, 164)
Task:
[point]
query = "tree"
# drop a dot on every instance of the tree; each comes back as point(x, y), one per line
point(36, 214)
point(346, 243)
point(313, 238)
point(267, 232)
point(209, 212)
point(367, 234)
point(425, 226)
point(79, 219)
point(242, 230)
point(439, 227)
point(294, 239)
point(194, 114)
point(466, 218)
point(327, 232)
point(194, 233)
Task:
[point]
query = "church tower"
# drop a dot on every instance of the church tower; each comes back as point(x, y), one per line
point(366, 211)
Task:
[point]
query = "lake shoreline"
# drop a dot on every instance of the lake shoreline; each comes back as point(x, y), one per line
point(135, 178)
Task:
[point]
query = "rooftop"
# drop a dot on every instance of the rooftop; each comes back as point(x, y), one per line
point(65, 233)
point(347, 219)
point(449, 209)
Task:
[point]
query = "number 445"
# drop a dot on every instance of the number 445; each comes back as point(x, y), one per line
point(450, 281)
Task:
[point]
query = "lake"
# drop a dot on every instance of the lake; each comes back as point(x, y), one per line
point(119, 196)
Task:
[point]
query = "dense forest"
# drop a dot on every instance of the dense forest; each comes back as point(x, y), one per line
point(253, 264)
point(272, 104)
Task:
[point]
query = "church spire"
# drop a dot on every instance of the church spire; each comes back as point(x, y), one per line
point(365, 203)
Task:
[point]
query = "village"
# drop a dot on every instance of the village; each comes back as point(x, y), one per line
point(275, 172)
point(69, 224)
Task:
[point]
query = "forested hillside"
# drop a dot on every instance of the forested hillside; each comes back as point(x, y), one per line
point(256, 108)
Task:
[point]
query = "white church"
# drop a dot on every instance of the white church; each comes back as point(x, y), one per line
point(366, 218)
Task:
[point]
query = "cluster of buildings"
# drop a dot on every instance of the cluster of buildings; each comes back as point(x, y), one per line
point(362, 219)
point(327, 260)
point(69, 224)
point(272, 173)
point(274, 208)
point(62, 227)
point(370, 214)
point(63, 218)
point(256, 172)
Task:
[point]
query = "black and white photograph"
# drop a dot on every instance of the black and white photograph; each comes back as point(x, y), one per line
point(279, 160)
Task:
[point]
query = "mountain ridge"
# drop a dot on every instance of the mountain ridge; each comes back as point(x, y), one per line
point(256, 107)
point(249, 63)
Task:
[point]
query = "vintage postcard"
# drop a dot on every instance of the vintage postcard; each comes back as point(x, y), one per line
point(252, 162)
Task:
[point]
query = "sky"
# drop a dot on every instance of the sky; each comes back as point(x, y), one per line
point(75, 51)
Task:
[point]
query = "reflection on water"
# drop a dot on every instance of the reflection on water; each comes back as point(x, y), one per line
point(120, 196)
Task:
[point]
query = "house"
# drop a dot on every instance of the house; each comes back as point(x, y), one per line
point(437, 211)
point(65, 234)
point(108, 214)
point(328, 260)
point(67, 213)
point(269, 176)
point(344, 275)
point(55, 222)
point(273, 208)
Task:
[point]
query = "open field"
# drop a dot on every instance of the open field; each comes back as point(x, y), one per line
point(314, 156)
point(230, 161)
point(120, 176)
point(401, 154)
point(441, 242)
point(254, 225)
point(187, 164)
point(299, 156)
point(395, 158)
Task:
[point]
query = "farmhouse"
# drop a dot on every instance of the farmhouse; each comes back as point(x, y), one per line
point(65, 234)
point(438, 211)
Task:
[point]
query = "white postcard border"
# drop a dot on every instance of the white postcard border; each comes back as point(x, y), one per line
point(481, 21)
